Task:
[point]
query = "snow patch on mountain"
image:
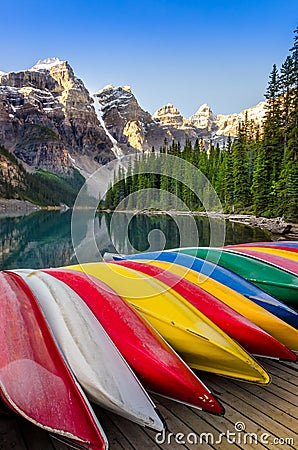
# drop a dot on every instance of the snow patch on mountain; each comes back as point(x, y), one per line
point(114, 97)
point(115, 149)
point(46, 64)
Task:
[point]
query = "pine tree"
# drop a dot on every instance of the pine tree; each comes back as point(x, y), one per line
point(227, 182)
point(289, 175)
point(273, 140)
point(270, 154)
point(240, 159)
point(259, 188)
point(108, 199)
point(287, 79)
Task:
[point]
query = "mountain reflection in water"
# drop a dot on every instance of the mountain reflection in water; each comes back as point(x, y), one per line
point(43, 238)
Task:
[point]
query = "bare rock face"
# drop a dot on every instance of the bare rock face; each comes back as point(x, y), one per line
point(135, 129)
point(47, 114)
point(228, 124)
point(124, 119)
point(9, 174)
point(177, 127)
point(204, 118)
point(168, 115)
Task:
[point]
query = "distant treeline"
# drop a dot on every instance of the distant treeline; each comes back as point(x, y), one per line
point(256, 173)
point(41, 187)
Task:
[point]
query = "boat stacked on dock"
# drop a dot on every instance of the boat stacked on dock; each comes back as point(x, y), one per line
point(110, 332)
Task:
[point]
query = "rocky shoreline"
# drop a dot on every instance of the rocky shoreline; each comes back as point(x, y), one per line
point(278, 227)
point(13, 208)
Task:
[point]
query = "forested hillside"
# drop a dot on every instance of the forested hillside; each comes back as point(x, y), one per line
point(41, 187)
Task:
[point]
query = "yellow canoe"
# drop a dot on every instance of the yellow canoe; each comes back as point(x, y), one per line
point(280, 330)
point(197, 339)
point(271, 251)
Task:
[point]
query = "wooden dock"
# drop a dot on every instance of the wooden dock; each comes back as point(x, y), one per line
point(256, 418)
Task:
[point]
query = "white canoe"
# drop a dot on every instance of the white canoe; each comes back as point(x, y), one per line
point(100, 368)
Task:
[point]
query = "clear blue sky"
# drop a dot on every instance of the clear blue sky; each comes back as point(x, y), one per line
point(183, 52)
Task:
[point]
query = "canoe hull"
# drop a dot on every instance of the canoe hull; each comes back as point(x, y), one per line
point(274, 281)
point(274, 252)
point(35, 381)
point(155, 363)
point(248, 306)
point(291, 246)
point(198, 340)
point(93, 357)
point(254, 339)
point(277, 261)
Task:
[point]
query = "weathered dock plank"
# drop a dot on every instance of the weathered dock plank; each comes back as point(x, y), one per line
point(10, 434)
point(268, 414)
point(264, 407)
point(198, 425)
point(36, 436)
point(254, 412)
point(116, 438)
point(282, 371)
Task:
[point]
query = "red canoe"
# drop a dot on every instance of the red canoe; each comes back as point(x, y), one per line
point(35, 382)
point(250, 336)
point(156, 364)
point(287, 248)
point(278, 261)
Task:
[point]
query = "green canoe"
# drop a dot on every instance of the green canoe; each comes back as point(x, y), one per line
point(273, 280)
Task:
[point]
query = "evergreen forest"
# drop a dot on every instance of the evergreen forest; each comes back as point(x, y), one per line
point(256, 173)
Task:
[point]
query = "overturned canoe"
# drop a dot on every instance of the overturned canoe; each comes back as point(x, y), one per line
point(273, 280)
point(252, 338)
point(281, 245)
point(155, 363)
point(227, 279)
point(272, 251)
point(198, 340)
point(277, 261)
point(35, 381)
point(96, 362)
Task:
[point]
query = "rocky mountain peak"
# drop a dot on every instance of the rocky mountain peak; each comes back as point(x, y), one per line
point(168, 115)
point(203, 118)
point(47, 118)
point(116, 97)
point(125, 120)
point(228, 124)
point(204, 108)
point(47, 64)
point(126, 88)
point(58, 70)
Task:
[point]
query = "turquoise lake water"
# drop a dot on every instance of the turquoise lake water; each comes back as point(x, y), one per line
point(44, 238)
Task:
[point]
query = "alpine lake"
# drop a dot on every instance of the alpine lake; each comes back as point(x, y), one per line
point(46, 238)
